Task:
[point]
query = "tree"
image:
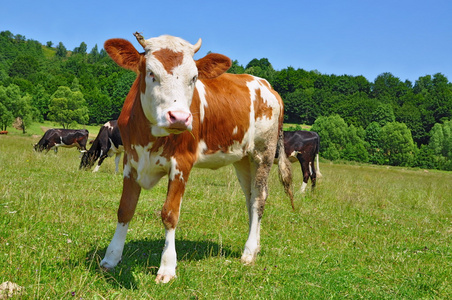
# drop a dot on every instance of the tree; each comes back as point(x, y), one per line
point(24, 66)
point(14, 106)
point(260, 68)
point(372, 138)
point(99, 107)
point(94, 55)
point(68, 107)
point(441, 144)
point(6, 116)
point(340, 141)
point(236, 68)
point(383, 114)
point(397, 144)
point(61, 51)
point(25, 112)
point(40, 101)
point(387, 86)
point(80, 49)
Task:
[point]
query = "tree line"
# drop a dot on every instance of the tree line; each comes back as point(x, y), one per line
point(387, 121)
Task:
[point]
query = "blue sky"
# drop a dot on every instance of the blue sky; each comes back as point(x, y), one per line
point(355, 37)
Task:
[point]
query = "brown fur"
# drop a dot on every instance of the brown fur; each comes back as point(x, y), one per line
point(169, 59)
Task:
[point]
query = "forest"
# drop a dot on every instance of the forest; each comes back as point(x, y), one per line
point(387, 121)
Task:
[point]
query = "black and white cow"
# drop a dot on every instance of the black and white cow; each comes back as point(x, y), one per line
point(304, 147)
point(68, 138)
point(107, 143)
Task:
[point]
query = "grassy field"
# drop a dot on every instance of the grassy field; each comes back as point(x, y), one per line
point(366, 232)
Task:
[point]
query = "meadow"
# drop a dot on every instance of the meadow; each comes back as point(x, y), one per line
point(371, 232)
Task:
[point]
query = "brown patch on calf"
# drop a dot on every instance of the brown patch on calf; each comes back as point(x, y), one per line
point(261, 109)
point(212, 65)
point(171, 208)
point(169, 59)
point(124, 54)
point(133, 125)
point(224, 114)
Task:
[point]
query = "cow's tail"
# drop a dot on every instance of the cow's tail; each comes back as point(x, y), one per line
point(285, 169)
point(317, 170)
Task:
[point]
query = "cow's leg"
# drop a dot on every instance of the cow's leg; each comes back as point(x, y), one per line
point(129, 198)
point(255, 189)
point(117, 159)
point(99, 162)
point(313, 173)
point(170, 217)
point(318, 174)
point(305, 171)
point(243, 172)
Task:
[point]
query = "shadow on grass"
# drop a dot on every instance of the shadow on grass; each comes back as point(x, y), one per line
point(145, 255)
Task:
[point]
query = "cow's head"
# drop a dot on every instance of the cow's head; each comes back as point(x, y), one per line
point(87, 159)
point(167, 74)
point(38, 148)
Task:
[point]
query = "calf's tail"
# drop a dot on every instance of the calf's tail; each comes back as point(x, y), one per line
point(285, 169)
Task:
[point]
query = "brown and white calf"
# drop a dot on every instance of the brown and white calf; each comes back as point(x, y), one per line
point(181, 113)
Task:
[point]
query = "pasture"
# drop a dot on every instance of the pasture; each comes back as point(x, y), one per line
point(367, 232)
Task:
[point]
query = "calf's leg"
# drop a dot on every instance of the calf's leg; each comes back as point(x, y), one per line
point(170, 217)
point(253, 179)
point(129, 199)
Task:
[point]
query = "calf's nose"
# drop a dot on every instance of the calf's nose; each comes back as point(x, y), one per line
point(179, 119)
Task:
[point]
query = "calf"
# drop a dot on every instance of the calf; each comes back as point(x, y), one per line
point(181, 113)
point(107, 143)
point(68, 138)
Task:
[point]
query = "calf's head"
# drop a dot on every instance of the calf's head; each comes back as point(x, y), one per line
point(167, 75)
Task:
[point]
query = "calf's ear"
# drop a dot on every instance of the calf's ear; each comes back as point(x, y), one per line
point(124, 54)
point(212, 65)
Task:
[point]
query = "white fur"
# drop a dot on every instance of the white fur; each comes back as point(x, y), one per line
point(202, 97)
point(164, 91)
point(168, 262)
point(150, 167)
point(114, 250)
point(303, 187)
point(108, 124)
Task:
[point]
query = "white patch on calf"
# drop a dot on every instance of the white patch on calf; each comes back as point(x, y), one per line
point(168, 261)
point(202, 99)
point(220, 158)
point(175, 171)
point(149, 166)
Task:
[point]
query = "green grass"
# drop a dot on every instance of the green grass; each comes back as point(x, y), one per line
point(290, 127)
point(366, 232)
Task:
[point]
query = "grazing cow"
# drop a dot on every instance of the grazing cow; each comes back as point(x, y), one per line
point(3, 132)
point(304, 147)
point(68, 138)
point(107, 143)
point(181, 113)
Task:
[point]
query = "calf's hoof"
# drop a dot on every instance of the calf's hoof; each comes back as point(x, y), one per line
point(164, 278)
